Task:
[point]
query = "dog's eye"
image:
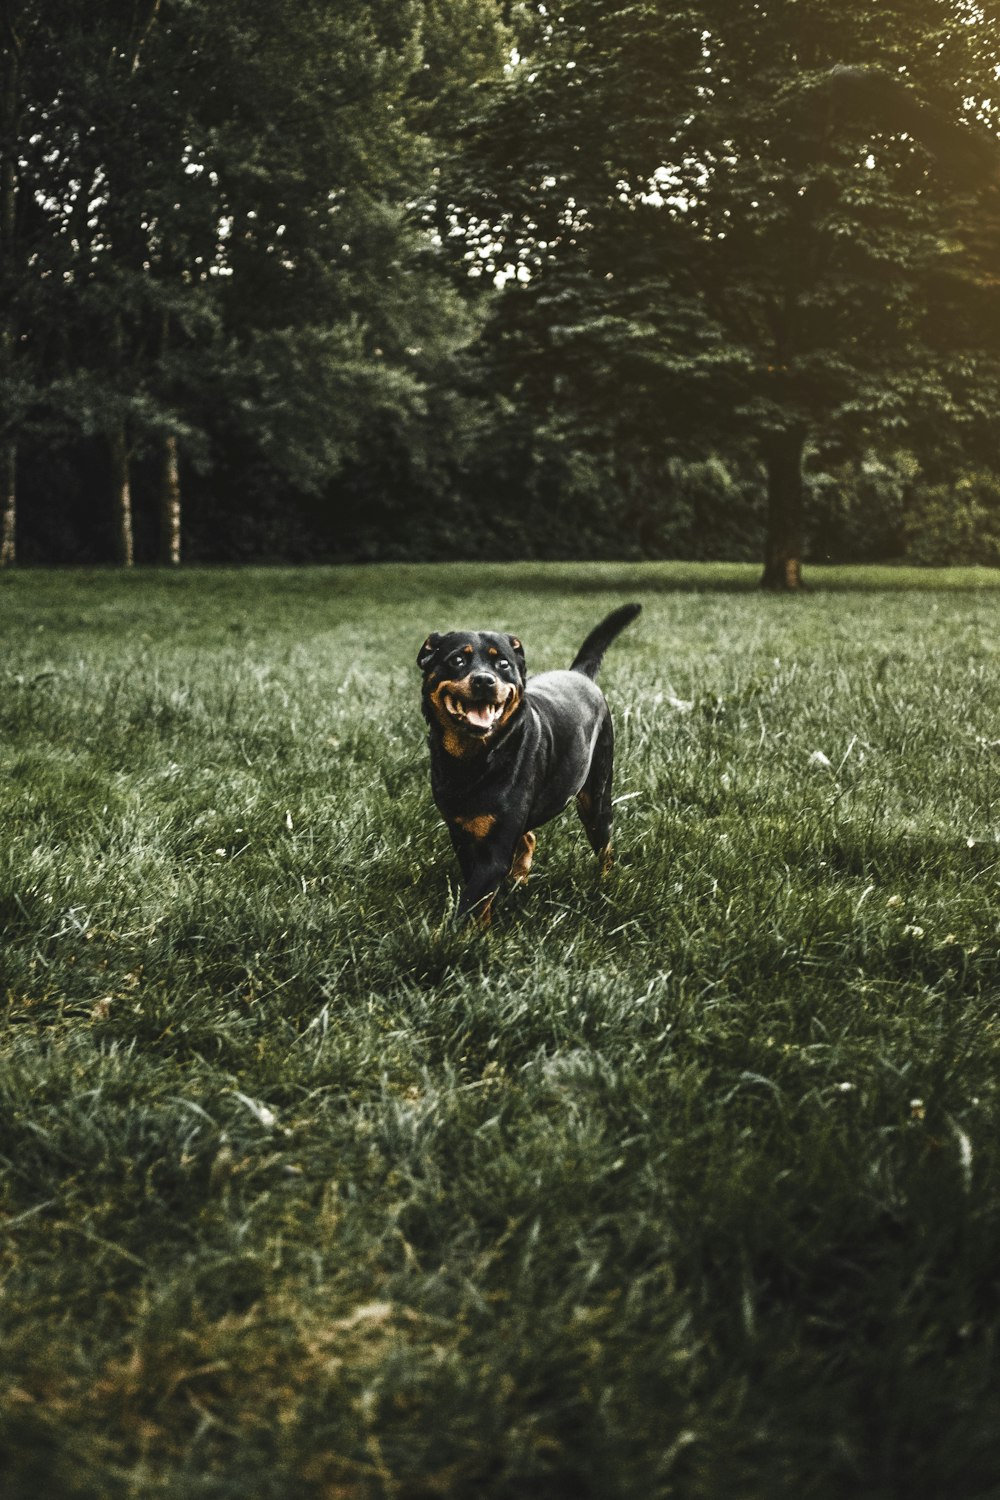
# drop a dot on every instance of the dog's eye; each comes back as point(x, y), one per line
point(503, 665)
point(458, 661)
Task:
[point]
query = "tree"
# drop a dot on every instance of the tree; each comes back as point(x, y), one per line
point(17, 245)
point(691, 231)
point(229, 199)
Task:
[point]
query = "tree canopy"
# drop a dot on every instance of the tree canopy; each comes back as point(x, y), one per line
point(702, 229)
point(616, 269)
point(209, 228)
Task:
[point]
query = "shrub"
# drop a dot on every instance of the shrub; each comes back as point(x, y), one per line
point(957, 522)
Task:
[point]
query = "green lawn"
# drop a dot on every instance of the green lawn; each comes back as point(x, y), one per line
point(683, 1183)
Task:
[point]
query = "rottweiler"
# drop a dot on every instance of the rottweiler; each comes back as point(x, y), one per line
point(507, 753)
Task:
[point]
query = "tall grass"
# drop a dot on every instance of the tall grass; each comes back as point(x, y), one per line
point(681, 1183)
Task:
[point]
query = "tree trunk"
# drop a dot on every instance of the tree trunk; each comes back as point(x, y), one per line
point(8, 228)
point(783, 545)
point(8, 135)
point(170, 505)
point(121, 498)
point(8, 505)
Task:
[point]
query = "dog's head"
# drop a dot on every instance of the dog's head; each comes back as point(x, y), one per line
point(473, 686)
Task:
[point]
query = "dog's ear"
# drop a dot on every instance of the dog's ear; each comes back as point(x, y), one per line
point(518, 650)
point(426, 653)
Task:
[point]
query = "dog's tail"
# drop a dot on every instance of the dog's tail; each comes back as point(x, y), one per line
point(590, 655)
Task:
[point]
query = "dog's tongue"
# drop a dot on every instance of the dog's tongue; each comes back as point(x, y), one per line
point(481, 715)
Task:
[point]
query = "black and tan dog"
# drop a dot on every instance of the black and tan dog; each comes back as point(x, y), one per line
point(507, 755)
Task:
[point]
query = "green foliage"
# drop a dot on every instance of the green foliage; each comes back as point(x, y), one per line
point(223, 233)
point(889, 507)
point(366, 261)
point(859, 509)
point(957, 522)
point(653, 1191)
point(713, 254)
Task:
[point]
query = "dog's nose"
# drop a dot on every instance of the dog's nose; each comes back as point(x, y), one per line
point(483, 681)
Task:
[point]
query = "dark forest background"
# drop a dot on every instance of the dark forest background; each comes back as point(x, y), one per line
point(459, 278)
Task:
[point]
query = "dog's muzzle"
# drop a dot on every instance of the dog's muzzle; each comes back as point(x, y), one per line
point(474, 713)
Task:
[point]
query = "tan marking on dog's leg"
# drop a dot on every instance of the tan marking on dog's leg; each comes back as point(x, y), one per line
point(523, 855)
point(607, 860)
point(585, 803)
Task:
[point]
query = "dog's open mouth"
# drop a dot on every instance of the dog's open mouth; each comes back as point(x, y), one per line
point(480, 717)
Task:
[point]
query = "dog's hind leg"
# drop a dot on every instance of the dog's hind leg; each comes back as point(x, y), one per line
point(523, 855)
point(593, 800)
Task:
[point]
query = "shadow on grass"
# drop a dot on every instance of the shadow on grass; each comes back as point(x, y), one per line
point(403, 581)
point(658, 577)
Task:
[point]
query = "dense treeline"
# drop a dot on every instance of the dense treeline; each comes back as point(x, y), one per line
point(457, 277)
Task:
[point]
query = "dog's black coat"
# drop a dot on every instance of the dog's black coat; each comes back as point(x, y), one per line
point(508, 754)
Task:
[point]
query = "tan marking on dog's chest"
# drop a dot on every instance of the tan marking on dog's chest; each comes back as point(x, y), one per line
point(458, 747)
point(479, 826)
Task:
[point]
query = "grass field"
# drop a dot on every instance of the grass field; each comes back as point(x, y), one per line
point(681, 1183)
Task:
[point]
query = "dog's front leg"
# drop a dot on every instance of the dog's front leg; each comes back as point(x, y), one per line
point(484, 861)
